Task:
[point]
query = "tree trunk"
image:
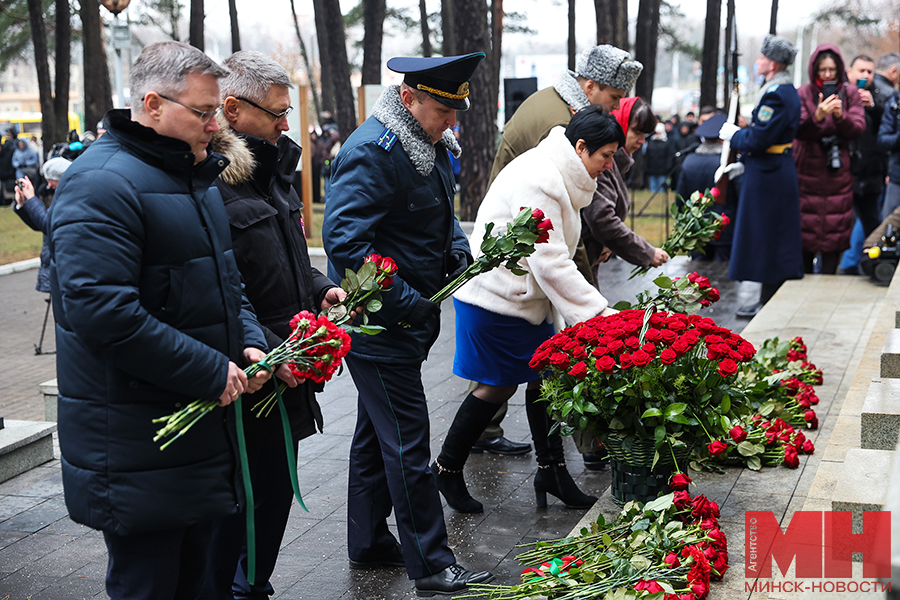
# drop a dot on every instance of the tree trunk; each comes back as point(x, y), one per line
point(317, 106)
point(476, 126)
point(710, 62)
point(728, 75)
point(235, 30)
point(645, 43)
point(325, 75)
point(495, 55)
point(373, 23)
point(337, 65)
point(612, 22)
point(426, 33)
point(39, 40)
point(620, 18)
point(97, 89)
point(195, 34)
point(448, 29)
point(63, 61)
point(570, 50)
point(773, 18)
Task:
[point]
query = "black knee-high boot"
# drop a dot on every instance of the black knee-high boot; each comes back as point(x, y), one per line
point(552, 476)
point(472, 417)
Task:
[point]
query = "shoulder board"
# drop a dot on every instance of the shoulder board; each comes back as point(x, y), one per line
point(774, 87)
point(387, 139)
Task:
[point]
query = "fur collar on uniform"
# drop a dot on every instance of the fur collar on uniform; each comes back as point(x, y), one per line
point(709, 148)
point(780, 78)
point(390, 111)
point(567, 87)
point(227, 143)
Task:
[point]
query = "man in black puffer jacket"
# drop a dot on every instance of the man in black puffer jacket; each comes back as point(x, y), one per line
point(270, 247)
point(150, 317)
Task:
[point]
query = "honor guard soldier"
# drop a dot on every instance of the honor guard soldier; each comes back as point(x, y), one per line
point(391, 193)
point(767, 244)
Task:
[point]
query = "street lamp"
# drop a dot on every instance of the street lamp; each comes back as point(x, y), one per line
point(121, 36)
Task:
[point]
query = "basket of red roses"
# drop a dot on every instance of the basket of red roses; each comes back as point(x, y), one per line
point(649, 385)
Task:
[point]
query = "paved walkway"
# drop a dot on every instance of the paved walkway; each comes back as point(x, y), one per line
point(43, 555)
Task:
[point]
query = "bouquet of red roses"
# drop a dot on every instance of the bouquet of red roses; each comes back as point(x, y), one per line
point(681, 295)
point(363, 292)
point(666, 377)
point(695, 225)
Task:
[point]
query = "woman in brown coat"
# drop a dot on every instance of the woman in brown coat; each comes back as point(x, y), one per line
point(822, 154)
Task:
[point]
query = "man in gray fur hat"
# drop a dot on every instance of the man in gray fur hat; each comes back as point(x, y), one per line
point(766, 244)
point(603, 75)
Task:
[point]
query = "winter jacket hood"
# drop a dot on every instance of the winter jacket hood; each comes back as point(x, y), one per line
point(841, 71)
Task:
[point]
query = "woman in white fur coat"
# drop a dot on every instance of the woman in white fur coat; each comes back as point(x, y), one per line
point(501, 318)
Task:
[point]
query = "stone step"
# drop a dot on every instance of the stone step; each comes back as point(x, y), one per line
point(50, 391)
point(890, 355)
point(861, 485)
point(880, 416)
point(24, 445)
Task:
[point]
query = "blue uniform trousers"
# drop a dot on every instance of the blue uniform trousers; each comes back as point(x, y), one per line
point(162, 565)
point(389, 469)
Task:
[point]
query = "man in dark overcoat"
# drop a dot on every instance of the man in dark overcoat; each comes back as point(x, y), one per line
point(767, 245)
point(150, 317)
point(391, 193)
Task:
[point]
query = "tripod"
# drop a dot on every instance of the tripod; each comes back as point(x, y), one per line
point(37, 347)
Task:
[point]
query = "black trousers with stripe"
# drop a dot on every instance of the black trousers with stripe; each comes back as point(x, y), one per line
point(389, 461)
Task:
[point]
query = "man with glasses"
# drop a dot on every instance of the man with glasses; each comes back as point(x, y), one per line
point(270, 247)
point(150, 317)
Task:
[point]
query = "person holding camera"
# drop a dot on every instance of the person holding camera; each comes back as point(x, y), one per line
point(831, 115)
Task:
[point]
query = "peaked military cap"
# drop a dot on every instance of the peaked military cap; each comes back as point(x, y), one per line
point(444, 78)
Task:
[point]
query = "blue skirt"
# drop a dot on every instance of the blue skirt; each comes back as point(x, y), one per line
point(495, 349)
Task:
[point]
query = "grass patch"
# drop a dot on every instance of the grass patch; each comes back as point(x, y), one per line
point(17, 240)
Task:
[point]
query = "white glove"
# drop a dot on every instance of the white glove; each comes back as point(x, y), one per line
point(733, 170)
point(727, 131)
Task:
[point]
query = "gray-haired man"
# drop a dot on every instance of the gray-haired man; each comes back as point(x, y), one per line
point(150, 317)
point(270, 248)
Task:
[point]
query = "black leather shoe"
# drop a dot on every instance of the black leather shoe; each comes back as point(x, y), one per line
point(500, 445)
point(387, 559)
point(597, 460)
point(449, 581)
point(749, 311)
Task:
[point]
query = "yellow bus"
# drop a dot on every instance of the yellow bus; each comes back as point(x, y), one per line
point(29, 123)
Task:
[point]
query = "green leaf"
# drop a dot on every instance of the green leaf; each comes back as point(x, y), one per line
point(640, 562)
point(675, 409)
point(747, 448)
point(661, 504)
point(754, 463)
point(622, 305)
point(655, 459)
point(374, 305)
point(679, 419)
point(663, 282)
point(607, 541)
point(726, 404)
point(371, 329)
point(651, 412)
point(659, 434)
point(725, 422)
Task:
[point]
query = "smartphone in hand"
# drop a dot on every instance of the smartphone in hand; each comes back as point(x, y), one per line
point(829, 89)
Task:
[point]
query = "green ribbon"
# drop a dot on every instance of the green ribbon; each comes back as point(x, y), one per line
point(248, 492)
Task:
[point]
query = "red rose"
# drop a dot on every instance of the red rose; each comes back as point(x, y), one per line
point(724, 221)
point(375, 258)
point(738, 434)
point(386, 282)
point(540, 360)
point(676, 325)
point(559, 360)
point(716, 448)
point(681, 500)
point(714, 192)
point(653, 335)
point(650, 586)
point(537, 214)
point(704, 508)
point(544, 228)
point(668, 356)
point(578, 353)
point(599, 351)
point(625, 361)
point(679, 481)
point(668, 336)
point(615, 346)
point(791, 459)
point(727, 367)
point(671, 560)
point(713, 339)
point(580, 370)
point(388, 265)
point(703, 283)
point(808, 447)
point(693, 277)
point(649, 349)
point(641, 359)
point(717, 235)
point(633, 342)
point(605, 364)
point(699, 590)
point(713, 294)
point(681, 346)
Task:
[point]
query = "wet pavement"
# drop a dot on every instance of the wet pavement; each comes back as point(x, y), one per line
point(44, 555)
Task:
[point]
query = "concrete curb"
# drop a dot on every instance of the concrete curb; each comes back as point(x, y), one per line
point(22, 265)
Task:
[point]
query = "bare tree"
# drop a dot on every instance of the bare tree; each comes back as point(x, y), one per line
point(612, 22)
point(235, 30)
point(326, 76)
point(476, 125)
point(63, 60)
point(373, 25)
point(39, 40)
point(195, 33)
point(317, 106)
point(448, 29)
point(495, 54)
point(645, 43)
point(333, 50)
point(97, 88)
point(426, 32)
point(710, 62)
point(727, 74)
point(570, 50)
point(773, 18)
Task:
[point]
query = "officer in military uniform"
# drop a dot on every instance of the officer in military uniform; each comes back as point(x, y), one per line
point(391, 193)
point(766, 244)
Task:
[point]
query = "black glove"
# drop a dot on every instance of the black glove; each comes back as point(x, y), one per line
point(459, 262)
point(422, 311)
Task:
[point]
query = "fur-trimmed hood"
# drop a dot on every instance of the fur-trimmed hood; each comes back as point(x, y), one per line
point(227, 143)
point(390, 111)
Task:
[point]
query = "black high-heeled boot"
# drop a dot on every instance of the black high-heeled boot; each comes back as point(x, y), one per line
point(552, 476)
point(472, 417)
